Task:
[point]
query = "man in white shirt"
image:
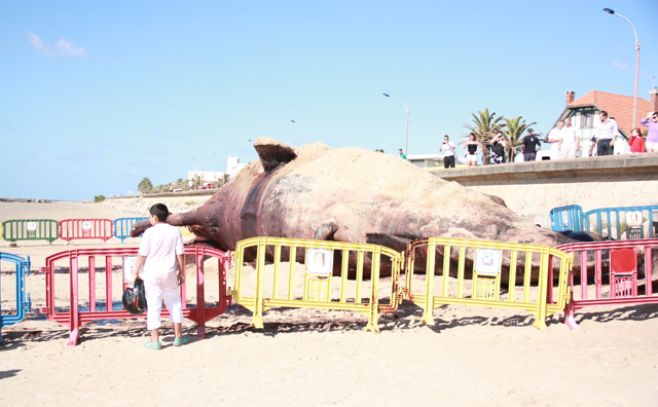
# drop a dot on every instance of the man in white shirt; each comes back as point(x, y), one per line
point(448, 151)
point(606, 132)
point(161, 254)
point(555, 138)
point(570, 141)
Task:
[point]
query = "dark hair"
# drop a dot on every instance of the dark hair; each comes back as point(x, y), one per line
point(446, 136)
point(604, 113)
point(472, 135)
point(160, 211)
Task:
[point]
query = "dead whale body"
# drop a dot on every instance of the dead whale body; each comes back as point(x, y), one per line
point(349, 195)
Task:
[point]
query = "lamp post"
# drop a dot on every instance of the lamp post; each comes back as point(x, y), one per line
point(637, 59)
point(406, 121)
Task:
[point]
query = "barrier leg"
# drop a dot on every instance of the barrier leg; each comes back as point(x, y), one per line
point(257, 320)
point(200, 298)
point(540, 316)
point(373, 317)
point(74, 336)
point(428, 311)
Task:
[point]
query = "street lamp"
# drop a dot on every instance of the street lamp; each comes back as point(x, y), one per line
point(406, 121)
point(637, 59)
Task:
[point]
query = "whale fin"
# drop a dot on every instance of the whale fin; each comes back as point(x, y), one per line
point(273, 153)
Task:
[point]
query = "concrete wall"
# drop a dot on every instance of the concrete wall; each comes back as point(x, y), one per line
point(531, 189)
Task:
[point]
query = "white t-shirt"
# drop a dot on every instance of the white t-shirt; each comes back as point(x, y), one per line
point(607, 130)
point(448, 149)
point(160, 245)
point(569, 136)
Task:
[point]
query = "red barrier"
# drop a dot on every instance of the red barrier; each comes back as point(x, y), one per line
point(71, 312)
point(75, 229)
point(622, 274)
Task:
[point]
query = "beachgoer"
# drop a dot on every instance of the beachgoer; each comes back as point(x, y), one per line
point(448, 150)
point(636, 142)
point(651, 123)
point(570, 141)
point(498, 149)
point(402, 154)
point(605, 134)
point(530, 145)
point(555, 138)
point(471, 150)
point(161, 255)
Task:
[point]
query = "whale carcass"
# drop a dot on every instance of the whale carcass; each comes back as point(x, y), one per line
point(350, 195)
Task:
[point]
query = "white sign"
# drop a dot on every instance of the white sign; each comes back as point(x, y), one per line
point(86, 225)
point(31, 226)
point(319, 262)
point(128, 269)
point(488, 262)
point(634, 218)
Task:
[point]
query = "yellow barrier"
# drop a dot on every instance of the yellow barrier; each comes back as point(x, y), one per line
point(491, 264)
point(279, 285)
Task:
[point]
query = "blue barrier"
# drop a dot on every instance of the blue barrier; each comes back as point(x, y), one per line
point(23, 304)
point(569, 217)
point(122, 227)
point(628, 222)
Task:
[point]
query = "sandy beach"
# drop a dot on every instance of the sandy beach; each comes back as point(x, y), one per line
point(471, 356)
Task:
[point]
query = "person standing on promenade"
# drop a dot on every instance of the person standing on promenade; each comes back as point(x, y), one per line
point(498, 149)
point(448, 150)
point(161, 255)
point(570, 141)
point(606, 133)
point(471, 150)
point(636, 142)
point(529, 146)
point(555, 138)
point(402, 154)
point(651, 123)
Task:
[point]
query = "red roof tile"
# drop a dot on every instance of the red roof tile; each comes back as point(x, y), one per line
point(618, 106)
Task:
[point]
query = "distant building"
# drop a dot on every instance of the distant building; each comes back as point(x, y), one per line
point(425, 160)
point(584, 112)
point(233, 167)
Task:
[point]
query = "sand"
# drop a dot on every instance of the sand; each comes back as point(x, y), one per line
point(471, 356)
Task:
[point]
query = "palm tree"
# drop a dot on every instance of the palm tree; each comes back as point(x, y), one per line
point(485, 125)
point(514, 129)
point(145, 185)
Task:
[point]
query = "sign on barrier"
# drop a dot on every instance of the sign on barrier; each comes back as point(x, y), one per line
point(122, 227)
point(82, 301)
point(629, 222)
point(569, 217)
point(30, 229)
point(16, 314)
point(280, 281)
point(611, 273)
point(506, 275)
point(77, 229)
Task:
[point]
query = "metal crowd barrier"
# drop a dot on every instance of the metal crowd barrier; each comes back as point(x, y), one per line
point(629, 222)
point(122, 227)
point(22, 300)
point(79, 229)
point(569, 217)
point(621, 273)
point(491, 278)
point(76, 311)
point(30, 229)
point(278, 282)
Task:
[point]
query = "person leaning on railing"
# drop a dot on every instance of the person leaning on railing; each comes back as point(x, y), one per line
point(636, 142)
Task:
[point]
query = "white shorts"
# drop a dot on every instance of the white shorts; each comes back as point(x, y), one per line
point(568, 151)
point(154, 298)
point(471, 158)
point(650, 145)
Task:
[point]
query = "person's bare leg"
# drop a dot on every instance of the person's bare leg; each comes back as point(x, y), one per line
point(177, 330)
point(155, 335)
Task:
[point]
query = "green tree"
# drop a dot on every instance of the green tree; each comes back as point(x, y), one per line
point(145, 186)
point(513, 132)
point(485, 125)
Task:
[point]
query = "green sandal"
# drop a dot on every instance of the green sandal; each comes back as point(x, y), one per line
point(183, 340)
point(153, 345)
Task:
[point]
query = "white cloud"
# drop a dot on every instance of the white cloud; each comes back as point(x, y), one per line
point(622, 66)
point(62, 47)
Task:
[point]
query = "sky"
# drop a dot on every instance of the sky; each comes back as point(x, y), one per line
point(95, 95)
